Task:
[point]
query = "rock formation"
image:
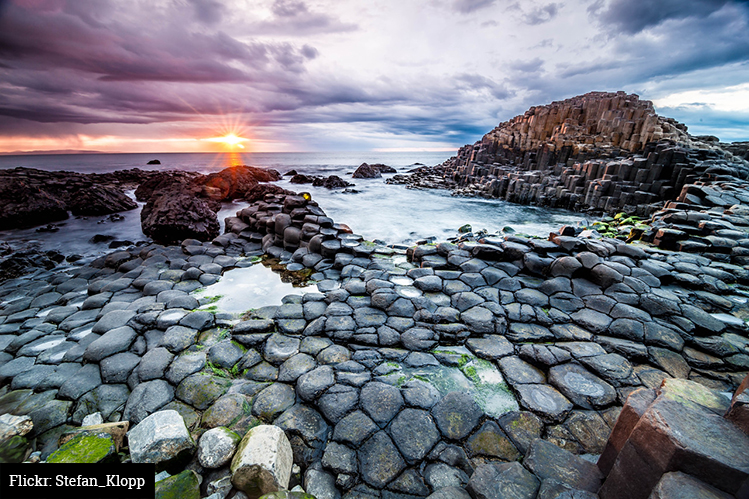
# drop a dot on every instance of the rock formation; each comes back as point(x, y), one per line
point(607, 152)
point(30, 197)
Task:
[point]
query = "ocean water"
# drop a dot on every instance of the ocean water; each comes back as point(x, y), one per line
point(390, 213)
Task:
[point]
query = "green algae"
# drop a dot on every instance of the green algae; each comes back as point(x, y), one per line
point(86, 448)
point(477, 377)
point(182, 486)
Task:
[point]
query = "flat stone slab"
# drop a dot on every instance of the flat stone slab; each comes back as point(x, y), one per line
point(380, 461)
point(503, 481)
point(582, 387)
point(546, 460)
point(545, 401)
point(457, 414)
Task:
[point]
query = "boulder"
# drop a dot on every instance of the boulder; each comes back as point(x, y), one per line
point(263, 462)
point(161, 438)
point(173, 216)
point(367, 171)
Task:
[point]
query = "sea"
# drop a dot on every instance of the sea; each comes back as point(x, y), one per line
point(392, 214)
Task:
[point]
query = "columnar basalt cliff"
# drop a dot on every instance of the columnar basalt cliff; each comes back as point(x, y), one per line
point(601, 151)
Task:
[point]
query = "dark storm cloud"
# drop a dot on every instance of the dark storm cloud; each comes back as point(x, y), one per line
point(100, 63)
point(633, 16)
point(691, 44)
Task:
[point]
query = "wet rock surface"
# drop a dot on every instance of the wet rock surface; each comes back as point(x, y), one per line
point(393, 378)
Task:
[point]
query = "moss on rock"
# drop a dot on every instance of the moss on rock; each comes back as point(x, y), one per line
point(86, 448)
point(182, 486)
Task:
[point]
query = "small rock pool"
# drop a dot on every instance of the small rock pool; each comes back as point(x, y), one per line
point(246, 288)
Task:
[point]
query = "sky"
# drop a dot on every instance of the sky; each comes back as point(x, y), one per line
point(349, 75)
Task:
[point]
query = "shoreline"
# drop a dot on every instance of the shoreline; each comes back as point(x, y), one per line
point(351, 353)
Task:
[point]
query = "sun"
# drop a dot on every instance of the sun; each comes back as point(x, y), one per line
point(230, 139)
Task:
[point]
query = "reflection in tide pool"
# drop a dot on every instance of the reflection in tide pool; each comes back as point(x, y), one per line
point(242, 289)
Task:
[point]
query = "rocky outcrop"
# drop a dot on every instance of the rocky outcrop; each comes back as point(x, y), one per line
point(372, 171)
point(24, 205)
point(30, 197)
point(600, 151)
point(330, 182)
point(173, 216)
point(183, 205)
point(235, 182)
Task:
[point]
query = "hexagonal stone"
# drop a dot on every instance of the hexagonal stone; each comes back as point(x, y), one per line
point(225, 354)
point(517, 371)
point(354, 428)
point(340, 459)
point(381, 401)
point(415, 433)
point(279, 348)
point(547, 461)
point(178, 338)
point(520, 333)
point(333, 354)
point(147, 398)
point(338, 401)
point(457, 414)
point(110, 343)
point(491, 347)
point(307, 431)
point(420, 394)
point(84, 380)
point(545, 401)
point(582, 387)
point(379, 460)
point(503, 481)
point(671, 362)
point(117, 368)
point(522, 427)
point(479, 319)
point(311, 384)
point(273, 400)
point(200, 390)
point(613, 368)
point(419, 339)
point(295, 367)
point(592, 320)
point(490, 441)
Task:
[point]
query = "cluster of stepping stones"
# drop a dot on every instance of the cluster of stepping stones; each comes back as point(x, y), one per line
point(427, 371)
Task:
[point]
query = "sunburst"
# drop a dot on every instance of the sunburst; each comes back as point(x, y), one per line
point(230, 139)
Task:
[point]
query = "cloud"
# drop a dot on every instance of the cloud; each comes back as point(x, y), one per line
point(633, 16)
point(468, 6)
point(294, 18)
point(542, 14)
point(208, 11)
point(479, 82)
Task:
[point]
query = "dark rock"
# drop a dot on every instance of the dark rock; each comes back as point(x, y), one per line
point(457, 414)
point(173, 216)
point(546, 460)
point(503, 481)
point(379, 460)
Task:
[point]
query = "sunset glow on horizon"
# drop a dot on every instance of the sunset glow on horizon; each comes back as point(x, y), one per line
point(231, 140)
point(300, 76)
